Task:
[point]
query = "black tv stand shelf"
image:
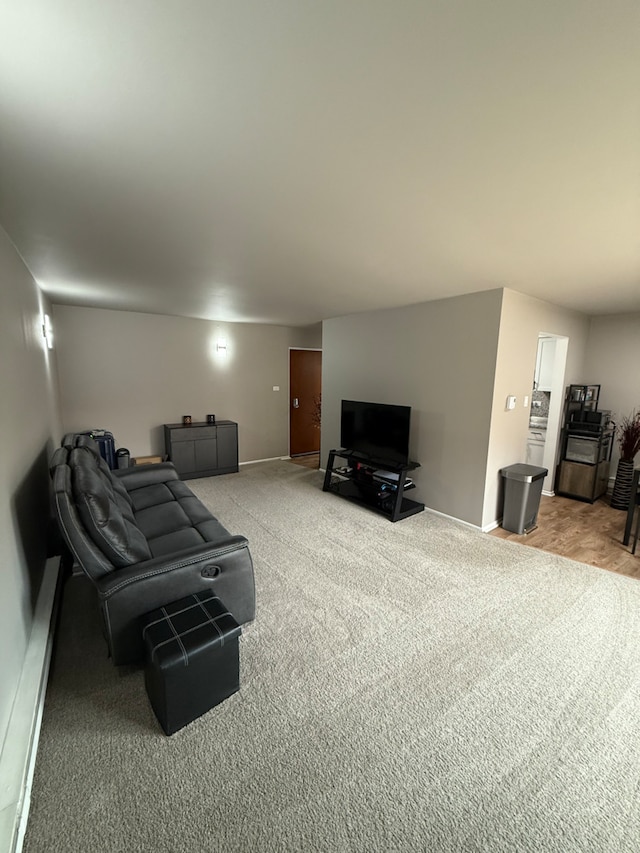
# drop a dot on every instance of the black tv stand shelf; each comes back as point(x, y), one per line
point(360, 482)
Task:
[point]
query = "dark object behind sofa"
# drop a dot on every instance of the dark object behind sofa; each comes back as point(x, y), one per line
point(144, 540)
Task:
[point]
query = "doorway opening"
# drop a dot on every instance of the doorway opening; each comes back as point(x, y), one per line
point(305, 402)
point(547, 396)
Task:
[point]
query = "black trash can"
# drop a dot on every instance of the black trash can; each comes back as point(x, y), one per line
point(124, 457)
point(522, 491)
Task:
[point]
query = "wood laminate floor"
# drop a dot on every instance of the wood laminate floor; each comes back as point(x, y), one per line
point(589, 533)
point(309, 460)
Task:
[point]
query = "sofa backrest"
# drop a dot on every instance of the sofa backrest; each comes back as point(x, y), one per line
point(88, 555)
point(104, 508)
point(94, 511)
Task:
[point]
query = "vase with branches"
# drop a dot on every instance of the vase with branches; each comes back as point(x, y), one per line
point(628, 435)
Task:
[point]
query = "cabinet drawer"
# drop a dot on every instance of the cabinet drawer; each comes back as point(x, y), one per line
point(193, 433)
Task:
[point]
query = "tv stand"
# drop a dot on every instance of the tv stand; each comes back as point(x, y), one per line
point(379, 485)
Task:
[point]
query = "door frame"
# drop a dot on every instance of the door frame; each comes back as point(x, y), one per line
point(297, 349)
point(554, 425)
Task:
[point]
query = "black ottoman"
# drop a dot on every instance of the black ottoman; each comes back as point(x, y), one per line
point(192, 658)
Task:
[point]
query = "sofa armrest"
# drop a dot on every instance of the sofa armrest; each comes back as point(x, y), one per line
point(139, 572)
point(126, 595)
point(145, 475)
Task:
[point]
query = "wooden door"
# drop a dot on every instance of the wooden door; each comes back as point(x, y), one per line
point(305, 388)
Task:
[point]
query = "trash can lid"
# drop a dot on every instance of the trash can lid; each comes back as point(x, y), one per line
point(524, 473)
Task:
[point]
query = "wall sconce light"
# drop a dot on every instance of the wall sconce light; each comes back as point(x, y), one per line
point(47, 331)
point(221, 347)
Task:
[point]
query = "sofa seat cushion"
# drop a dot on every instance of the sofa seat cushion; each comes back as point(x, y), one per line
point(211, 530)
point(158, 493)
point(198, 513)
point(186, 537)
point(165, 519)
point(173, 543)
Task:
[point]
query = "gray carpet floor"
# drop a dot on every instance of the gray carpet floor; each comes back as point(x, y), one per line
point(409, 687)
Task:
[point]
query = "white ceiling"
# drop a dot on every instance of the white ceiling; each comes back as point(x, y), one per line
point(285, 161)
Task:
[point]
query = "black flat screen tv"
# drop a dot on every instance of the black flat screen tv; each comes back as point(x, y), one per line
point(377, 432)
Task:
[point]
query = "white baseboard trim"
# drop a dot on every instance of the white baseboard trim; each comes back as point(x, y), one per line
point(270, 459)
point(453, 518)
point(18, 758)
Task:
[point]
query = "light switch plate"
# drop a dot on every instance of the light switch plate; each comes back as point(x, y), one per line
point(511, 403)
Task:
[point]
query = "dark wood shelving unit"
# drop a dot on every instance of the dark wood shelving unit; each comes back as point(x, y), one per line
point(359, 485)
point(584, 479)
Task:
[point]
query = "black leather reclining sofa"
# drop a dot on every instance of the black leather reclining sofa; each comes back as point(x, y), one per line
point(144, 540)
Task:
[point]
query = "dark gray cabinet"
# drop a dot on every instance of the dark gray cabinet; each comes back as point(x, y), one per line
point(202, 449)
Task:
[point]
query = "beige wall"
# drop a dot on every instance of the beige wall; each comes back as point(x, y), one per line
point(454, 361)
point(28, 422)
point(439, 358)
point(613, 361)
point(131, 373)
point(522, 319)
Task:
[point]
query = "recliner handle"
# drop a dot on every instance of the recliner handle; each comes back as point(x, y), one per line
point(210, 571)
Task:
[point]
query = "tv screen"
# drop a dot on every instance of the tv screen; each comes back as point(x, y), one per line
point(376, 431)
